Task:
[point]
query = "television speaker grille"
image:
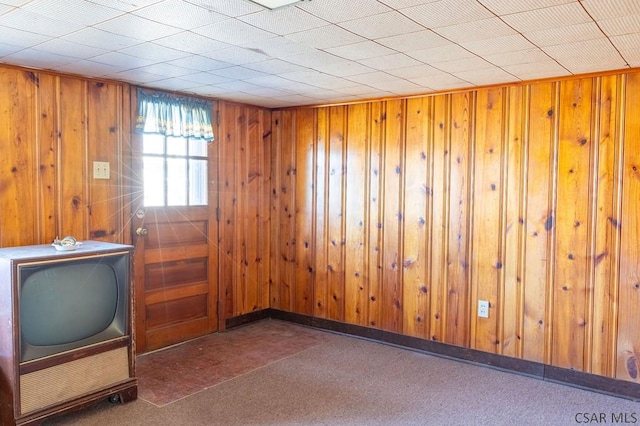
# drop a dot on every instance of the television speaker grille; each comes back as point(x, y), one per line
point(62, 382)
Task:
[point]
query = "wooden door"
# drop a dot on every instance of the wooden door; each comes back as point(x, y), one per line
point(175, 258)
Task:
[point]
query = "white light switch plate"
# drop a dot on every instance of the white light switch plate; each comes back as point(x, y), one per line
point(101, 170)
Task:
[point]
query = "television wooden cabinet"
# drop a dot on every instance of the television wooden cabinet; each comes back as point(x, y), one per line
point(66, 332)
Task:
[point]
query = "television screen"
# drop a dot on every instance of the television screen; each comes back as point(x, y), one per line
point(67, 305)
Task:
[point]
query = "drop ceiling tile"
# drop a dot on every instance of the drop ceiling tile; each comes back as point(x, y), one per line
point(274, 66)
point(475, 30)
point(565, 34)
point(620, 26)
point(632, 56)
point(205, 78)
point(166, 70)
point(401, 4)
point(383, 25)
point(425, 39)
point(331, 82)
point(174, 84)
point(212, 91)
point(233, 32)
point(191, 42)
point(270, 81)
point(597, 48)
point(551, 17)
point(8, 49)
point(377, 95)
point(340, 10)
point(20, 19)
point(89, 68)
point(389, 62)
point(321, 96)
point(74, 11)
point(441, 81)
point(487, 76)
point(237, 73)
point(325, 37)
point(399, 87)
point(137, 27)
point(626, 42)
point(236, 55)
point(507, 7)
point(199, 63)
point(305, 76)
point(278, 47)
point(359, 90)
point(549, 68)
point(239, 86)
point(440, 54)
point(38, 59)
point(75, 50)
point(283, 21)
point(21, 38)
point(363, 50)
point(607, 9)
point(373, 78)
point(121, 60)
point(415, 71)
point(343, 68)
point(180, 14)
point(313, 59)
point(580, 67)
point(527, 56)
point(268, 92)
point(504, 44)
point(295, 99)
point(125, 5)
point(5, 8)
point(447, 12)
point(459, 65)
point(231, 8)
point(302, 88)
point(154, 52)
point(101, 39)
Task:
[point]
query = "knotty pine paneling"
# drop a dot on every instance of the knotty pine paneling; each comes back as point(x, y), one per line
point(54, 128)
point(402, 214)
point(244, 163)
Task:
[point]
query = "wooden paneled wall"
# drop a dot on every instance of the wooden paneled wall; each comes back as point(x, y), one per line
point(402, 214)
point(52, 130)
point(244, 185)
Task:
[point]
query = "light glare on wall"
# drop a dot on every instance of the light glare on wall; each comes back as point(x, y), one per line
point(273, 4)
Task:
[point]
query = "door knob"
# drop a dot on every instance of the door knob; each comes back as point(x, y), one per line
point(141, 232)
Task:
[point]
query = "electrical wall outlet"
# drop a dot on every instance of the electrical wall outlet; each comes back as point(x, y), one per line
point(101, 170)
point(483, 308)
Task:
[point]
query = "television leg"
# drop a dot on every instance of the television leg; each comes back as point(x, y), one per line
point(125, 395)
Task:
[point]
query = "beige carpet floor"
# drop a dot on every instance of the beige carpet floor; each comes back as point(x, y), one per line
point(349, 381)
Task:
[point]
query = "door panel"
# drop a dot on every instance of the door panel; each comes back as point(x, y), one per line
point(176, 285)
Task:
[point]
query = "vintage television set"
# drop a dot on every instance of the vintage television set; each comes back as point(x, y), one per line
point(65, 329)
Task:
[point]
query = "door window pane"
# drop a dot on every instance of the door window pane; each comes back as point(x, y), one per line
point(153, 144)
point(177, 182)
point(153, 181)
point(197, 182)
point(197, 147)
point(176, 146)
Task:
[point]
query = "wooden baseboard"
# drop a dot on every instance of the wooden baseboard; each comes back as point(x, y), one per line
point(587, 381)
